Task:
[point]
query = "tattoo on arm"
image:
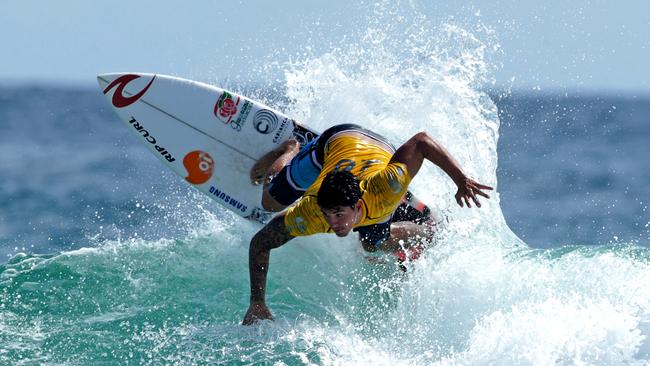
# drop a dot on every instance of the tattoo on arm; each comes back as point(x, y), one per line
point(273, 235)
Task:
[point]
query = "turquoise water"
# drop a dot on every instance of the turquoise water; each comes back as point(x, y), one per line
point(112, 260)
point(180, 301)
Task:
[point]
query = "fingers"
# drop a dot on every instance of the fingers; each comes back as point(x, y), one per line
point(469, 192)
point(483, 186)
point(477, 188)
point(481, 193)
point(476, 202)
point(468, 196)
point(256, 313)
point(460, 197)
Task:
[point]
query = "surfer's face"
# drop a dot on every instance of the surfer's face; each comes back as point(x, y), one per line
point(342, 218)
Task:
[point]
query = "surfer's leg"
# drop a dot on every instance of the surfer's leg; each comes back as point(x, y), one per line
point(271, 204)
point(413, 217)
point(293, 180)
point(272, 162)
point(403, 235)
point(412, 230)
point(406, 234)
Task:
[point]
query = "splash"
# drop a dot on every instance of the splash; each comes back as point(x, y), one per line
point(478, 296)
point(429, 78)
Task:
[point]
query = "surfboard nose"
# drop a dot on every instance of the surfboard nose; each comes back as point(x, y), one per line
point(104, 79)
point(124, 89)
point(107, 78)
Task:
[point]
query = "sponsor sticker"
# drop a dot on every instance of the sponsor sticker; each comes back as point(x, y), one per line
point(277, 137)
point(238, 122)
point(150, 139)
point(229, 200)
point(226, 107)
point(199, 165)
point(232, 110)
point(121, 101)
point(265, 121)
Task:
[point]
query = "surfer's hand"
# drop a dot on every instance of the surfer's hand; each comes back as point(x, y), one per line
point(469, 189)
point(257, 311)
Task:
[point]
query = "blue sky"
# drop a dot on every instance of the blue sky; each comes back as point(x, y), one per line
point(549, 45)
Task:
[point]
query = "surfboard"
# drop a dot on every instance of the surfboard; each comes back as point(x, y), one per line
point(209, 136)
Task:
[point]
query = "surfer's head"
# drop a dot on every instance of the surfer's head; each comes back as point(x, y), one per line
point(339, 199)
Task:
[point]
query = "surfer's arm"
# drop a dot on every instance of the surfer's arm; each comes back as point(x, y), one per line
point(422, 146)
point(273, 235)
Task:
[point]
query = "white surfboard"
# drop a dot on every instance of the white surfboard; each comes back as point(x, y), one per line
point(207, 135)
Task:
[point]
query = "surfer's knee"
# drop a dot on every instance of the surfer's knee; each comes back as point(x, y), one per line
point(271, 204)
point(291, 145)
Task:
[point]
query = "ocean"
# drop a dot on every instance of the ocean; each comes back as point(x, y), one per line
point(107, 258)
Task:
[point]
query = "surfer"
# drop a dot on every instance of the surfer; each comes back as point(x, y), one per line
point(348, 179)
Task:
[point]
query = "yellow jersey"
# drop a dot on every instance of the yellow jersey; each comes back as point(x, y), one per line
point(382, 184)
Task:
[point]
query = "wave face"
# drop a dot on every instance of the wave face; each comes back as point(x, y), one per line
point(159, 275)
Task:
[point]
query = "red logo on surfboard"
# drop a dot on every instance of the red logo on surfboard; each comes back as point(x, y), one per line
point(121, 101)
point(199, 165)
point(226, 107)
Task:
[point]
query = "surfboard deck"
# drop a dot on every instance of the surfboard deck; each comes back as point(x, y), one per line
point(209, 136)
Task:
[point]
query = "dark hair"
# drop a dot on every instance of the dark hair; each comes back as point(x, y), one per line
point(339, 188)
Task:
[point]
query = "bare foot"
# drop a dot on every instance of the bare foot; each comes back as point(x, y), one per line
point(272, 162)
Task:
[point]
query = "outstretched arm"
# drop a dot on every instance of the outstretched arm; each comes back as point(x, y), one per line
point(273, 235)
point(421, 146)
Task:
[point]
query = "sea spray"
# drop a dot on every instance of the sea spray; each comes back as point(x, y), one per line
point(476, 296)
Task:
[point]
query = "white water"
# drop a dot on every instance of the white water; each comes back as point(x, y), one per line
point(479, 296)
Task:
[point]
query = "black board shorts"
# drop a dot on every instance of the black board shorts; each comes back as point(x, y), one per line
point(411, 209)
